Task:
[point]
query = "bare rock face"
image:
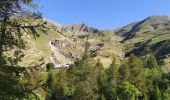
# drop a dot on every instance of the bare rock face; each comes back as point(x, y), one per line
point(67, 48)
point(54, 25)
point(62, 43)
point(80, 28)
point(73, 28)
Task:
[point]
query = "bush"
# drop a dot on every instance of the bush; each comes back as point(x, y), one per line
point(50, 66)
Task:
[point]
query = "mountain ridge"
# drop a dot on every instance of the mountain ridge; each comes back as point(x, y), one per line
point(82, 27)
point(140, 38)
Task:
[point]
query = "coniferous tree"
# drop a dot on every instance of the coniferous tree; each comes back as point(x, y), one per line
point(124, 72)
point(87, 87)
point(112, 71)
point(15, 18)
point(127, 91)
point(152, 62)
point(105, 86)
point(157, 94)
point(51, 81)
point(99, 71)
point(110, 81)
point(99, 68)
point(154, 73)
point(60, 88)
point(166, 94)
point(50, 66)
point(102, 97)
point(137, 73)
point(145, 97)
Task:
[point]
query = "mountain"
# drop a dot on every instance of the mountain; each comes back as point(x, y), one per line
point(72, 27)
point(64, 43)
point(76, 29)
point(147, 25)
point(150, 35)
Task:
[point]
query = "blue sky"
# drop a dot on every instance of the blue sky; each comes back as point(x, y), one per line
point(102, 14)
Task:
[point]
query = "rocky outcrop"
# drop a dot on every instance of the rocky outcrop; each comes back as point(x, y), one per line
point(54, 25)
point(80, 28)
point(67, 48)
point(75, 28)
point(62, 43)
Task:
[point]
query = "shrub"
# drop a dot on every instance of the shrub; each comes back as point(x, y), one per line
point(50, 66)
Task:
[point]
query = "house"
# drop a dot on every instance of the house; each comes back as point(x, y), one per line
point(57, 66)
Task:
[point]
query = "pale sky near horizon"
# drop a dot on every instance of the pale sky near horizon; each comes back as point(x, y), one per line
point(102, 14)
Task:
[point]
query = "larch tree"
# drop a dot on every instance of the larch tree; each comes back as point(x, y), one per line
point(16, 17)
point(124, 72)
point(87, 83)
point(137, 73)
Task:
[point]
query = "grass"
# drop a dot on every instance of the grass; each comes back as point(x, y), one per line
point(105, 61)
point(38, 47)
point(160, 38)
point(111, 49)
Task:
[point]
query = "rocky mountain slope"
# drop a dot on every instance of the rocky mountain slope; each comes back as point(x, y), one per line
point(64, 43)
point(150, 35)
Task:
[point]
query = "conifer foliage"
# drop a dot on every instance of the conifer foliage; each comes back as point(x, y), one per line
point(130, 79)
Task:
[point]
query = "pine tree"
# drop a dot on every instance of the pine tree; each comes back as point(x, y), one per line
point(145, 97)
point(86, 83)
point(52, 79)
point(98, 72)
point(157, 94)
point(16, 18)
point(61, 89)
point(99, 67)
point(124, 72)
point(137, 73)
point(50, 66)
point(152, 62)
point(117, 98)
point(102, 97)
point(166, 94)
point(154, 72)
point(127, 91)
point(112, 71)
point(109, 81)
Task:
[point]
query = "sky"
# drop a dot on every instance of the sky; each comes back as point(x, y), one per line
point(102, 14)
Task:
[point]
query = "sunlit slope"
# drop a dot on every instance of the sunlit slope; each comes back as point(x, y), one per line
point(151, 35)
point(70, 45)
point(141, 38)
point(38, 48)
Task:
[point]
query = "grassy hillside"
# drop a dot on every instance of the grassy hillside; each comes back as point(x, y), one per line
point(148, 36)
point(71, 46)
point(38, 47)
point(141, 38)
